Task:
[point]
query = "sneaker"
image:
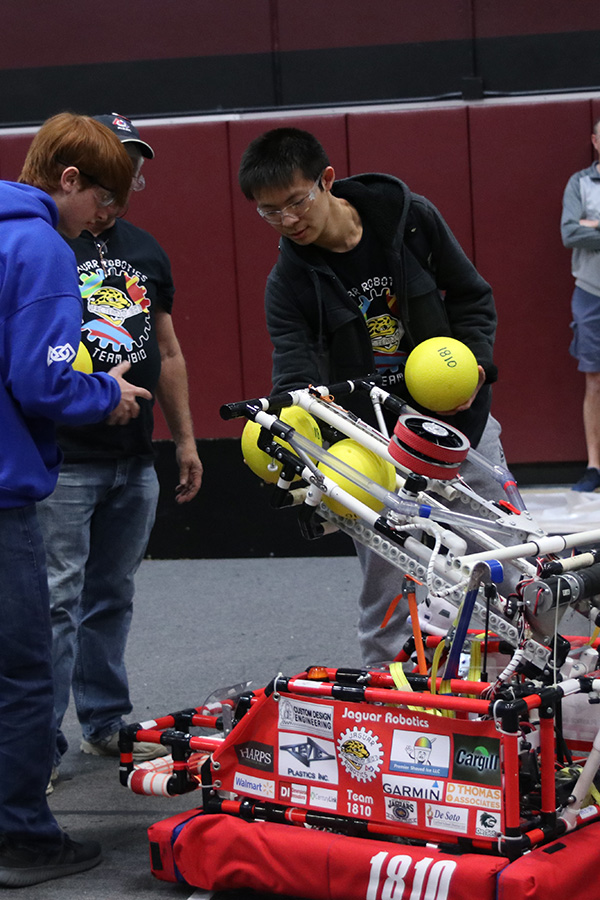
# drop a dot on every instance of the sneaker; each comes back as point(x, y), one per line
point(53, 777)
point(110, 747)
point(589, 481)
point(22, 864)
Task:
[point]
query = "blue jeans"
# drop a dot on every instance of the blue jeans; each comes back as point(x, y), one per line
point(96, 526)
point(27, 725)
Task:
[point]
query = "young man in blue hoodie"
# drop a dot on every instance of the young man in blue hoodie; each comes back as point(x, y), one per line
point(75, 170)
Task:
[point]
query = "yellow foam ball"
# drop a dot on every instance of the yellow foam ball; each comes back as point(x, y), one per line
point(260, 462)
point(441, 373)
point(368, 463)
point(83, 360)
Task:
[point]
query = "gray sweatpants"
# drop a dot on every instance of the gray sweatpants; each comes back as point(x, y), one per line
point(382, 581)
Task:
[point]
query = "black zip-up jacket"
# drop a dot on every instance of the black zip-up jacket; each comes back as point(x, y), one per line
point(320, 336)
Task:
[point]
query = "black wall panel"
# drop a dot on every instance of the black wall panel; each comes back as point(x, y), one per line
point(281, 76)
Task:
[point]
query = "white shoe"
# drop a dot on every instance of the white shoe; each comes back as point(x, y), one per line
point(142, 750)
point(53, 777)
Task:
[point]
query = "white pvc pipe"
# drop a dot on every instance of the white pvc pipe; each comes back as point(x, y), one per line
point(540, 547)
point(583, 784)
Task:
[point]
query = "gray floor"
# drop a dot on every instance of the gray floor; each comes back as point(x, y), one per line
point(199, 625)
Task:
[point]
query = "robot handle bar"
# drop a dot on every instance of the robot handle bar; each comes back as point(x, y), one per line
point(274, 402)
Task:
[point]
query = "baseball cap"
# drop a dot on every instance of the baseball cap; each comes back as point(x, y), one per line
point(126, 131)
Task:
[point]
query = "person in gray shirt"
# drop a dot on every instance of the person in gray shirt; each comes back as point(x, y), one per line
point(580, 230)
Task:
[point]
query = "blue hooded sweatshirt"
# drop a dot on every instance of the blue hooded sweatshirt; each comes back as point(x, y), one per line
point(40, 326)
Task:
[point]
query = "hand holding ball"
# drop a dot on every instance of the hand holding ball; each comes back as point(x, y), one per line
point(441, 374)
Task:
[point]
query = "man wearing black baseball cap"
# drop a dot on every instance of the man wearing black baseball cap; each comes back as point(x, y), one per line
point(97, 522)
point(127, 133)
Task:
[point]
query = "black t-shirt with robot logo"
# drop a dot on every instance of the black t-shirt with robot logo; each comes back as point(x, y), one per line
point(365, 274)
point(124, 276)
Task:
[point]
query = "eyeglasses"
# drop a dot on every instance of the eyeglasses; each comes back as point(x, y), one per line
point(104, 196)
point(296, 209)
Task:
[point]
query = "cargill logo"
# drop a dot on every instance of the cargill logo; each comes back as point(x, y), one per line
point(476, 760)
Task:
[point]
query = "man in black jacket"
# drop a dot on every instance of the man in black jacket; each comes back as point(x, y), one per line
point(366, 271)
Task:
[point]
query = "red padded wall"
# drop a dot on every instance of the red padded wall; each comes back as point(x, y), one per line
point(521, 158)
point(427, 148)
point(187, 206)
point(139, 30)
point(13, 149)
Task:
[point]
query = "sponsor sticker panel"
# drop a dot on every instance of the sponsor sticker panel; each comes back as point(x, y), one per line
point(373, 763)
point(256, 755)
point(250, 784)
point(447, 818)
point(476, 759)
point(308, 758)
point(309, 718)
point(422, 754)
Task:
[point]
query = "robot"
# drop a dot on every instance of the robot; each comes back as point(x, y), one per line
point(479, 740)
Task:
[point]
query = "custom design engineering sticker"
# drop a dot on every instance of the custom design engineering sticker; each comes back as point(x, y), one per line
point(313, 718)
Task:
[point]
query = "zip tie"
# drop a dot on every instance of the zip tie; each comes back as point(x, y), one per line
point(498, 724)
point(276, 695)
point(327, 398)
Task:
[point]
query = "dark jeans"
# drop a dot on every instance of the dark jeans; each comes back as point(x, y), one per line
point(27, 723)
